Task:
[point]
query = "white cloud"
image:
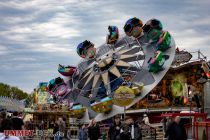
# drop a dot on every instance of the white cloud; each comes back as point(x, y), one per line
point(3, 50)
point(193, 43)
point(27, 59)
point(190, 39)
point(53, 48)
point(21, 66)
point(59, 27)
point(49, 28)
point(34, 4)
point(54, 30)
point(16, 20)
point(202, 21)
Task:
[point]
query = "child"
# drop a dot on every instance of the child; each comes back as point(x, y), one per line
point(83, 134)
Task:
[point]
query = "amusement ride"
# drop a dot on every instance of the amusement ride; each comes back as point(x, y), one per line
point(117, 74)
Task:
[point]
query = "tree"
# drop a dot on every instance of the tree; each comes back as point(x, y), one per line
point(12, 92)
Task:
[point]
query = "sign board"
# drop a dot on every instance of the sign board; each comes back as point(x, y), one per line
point(181, 57)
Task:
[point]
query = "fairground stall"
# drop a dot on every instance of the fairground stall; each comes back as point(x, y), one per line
point(44, 109)
point(183, 88)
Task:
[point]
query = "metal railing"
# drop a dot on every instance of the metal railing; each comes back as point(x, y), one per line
point(198, 131)
point(202, 130)
point(148, 132)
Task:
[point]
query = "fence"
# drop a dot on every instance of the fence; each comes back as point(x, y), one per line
point(202, 130)
point(199, 130)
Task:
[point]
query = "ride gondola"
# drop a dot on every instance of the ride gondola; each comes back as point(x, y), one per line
point(58, 88)
point(86, 49)
point(113, 35)
point(133, 27)
point(103, 106)
point(66, 70)
point(164, 42)
point(153, 30)
point(77, 111)
point(156, 63)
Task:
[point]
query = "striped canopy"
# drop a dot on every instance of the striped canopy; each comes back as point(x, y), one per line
point(11, 104)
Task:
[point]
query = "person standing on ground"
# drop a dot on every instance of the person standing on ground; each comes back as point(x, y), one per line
point(145, 119)
point(130, 130)
point(65, 131)
point(93, 130)
point(134, 130)
point(41, 125)
point(176, 131)
point(83, 134)
point(31, 125)
point(51, 124)
point(17, 122)
point(55, 131)
point(3, 116)
point(41, 129)
point(114, 129)
point(6, 124)
point(168, 122)
point(68, 135)
point(62, 127)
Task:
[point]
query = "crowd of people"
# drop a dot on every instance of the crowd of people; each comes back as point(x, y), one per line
point(57, 128)
point(119, 129)
point(128, 129)
point(13, 122)
point(175, 130)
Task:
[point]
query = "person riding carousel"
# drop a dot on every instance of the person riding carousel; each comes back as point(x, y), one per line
point(133, 27)
point(113, 35)
point(86, 49)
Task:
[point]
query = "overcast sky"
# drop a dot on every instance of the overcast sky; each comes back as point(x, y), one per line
point(37, 35)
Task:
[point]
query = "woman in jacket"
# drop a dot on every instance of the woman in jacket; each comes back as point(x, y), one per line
point(93, 130)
